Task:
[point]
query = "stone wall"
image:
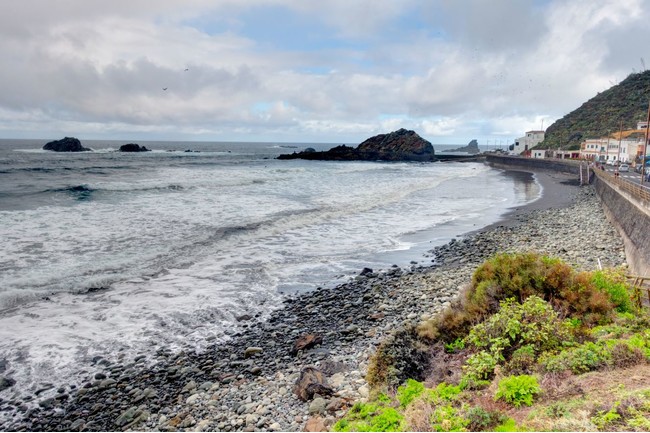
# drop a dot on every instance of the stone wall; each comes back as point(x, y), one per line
point(630, 216)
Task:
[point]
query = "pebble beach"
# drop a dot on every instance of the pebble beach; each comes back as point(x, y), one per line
point(247, 383)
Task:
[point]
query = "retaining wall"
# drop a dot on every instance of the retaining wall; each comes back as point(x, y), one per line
point(628, 211)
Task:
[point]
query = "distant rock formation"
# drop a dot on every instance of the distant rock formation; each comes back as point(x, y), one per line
point(132, 147)
point(401, 145)
point(471, 148)
point(67, 144)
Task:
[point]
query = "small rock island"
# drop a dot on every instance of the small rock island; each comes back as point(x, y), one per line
point(133, 147)
point(400, 145)
point(471, 148)
point(67, 144)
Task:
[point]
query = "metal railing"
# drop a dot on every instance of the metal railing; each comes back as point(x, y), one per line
point(640, 192)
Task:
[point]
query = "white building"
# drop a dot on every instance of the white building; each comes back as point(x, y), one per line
point(527, 142)
point(608, 149)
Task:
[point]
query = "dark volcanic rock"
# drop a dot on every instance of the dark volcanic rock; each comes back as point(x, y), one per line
point(132, 147)
point(67, 144)
point(472, 148)
point(401, 145)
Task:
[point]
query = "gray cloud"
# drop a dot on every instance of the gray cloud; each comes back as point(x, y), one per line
point(453, 69)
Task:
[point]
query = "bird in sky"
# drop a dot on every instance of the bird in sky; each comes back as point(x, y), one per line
point(164, 88)
point(187, 69)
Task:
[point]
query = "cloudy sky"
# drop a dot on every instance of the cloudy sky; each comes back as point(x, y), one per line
point(309, 71)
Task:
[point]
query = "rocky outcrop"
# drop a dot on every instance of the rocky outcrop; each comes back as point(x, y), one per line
point(132, 147)
point(401, 145)
point(67, 144)
point(471, 148)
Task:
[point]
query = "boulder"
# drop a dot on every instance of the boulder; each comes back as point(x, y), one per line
point(67, 144)
point(305, 342)
point(400, 145)
point(132, 147)
point(471, 148)
point(311, 382)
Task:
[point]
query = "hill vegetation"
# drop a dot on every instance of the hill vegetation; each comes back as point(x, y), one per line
point(531, 344)
point(602, 114)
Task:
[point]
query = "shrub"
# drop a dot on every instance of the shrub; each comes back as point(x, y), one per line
point(370, 417)
point(478, 367)
point(408, 392)
point(447, 418)
point(523, 329)
point(480, 419)
point(522, 361)
point(581, 359)
point(509, 425)
point(518, 389)
point(586, 299)
point(614, 285)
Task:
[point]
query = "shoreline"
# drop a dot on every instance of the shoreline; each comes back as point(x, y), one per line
point(246, 384)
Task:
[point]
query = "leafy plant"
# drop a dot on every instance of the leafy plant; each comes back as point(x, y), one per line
point(581, 359)
point(370, 417)
point(447, 418)
point(509, 425)
point(408, 392)
point(519, 331)
point(518, 390)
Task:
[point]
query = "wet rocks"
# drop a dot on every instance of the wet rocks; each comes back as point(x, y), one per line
point(133, 147)
point(67, 144)
point(400, 145)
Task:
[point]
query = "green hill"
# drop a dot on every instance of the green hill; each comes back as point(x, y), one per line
point(626, 101)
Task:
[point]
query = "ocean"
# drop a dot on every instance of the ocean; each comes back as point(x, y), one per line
point(113, 255)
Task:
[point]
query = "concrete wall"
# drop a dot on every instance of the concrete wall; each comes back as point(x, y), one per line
point(534, 163)
point(632, 220)
point(630, 216)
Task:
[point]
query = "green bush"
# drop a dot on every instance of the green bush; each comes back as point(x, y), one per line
point(581, 359)
point(408, 392)
point(478, 367)
point(514, 336)
point(480, 419)
point(615, 286)
point(370, 417)
point(518, 389)
point(446, 418)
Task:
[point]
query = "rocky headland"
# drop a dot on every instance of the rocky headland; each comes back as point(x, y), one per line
point(304, 366)
point(471, 148)
point(67, 144)
point(400, 145)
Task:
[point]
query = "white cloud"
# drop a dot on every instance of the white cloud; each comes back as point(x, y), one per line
point(451, 70)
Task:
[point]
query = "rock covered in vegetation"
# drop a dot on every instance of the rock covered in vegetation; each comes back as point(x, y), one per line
point(67, 144)
point(400, 145)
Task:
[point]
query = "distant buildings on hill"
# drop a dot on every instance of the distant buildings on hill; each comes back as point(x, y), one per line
point(625, 147)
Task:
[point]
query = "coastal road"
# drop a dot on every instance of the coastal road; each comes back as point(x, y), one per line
point(631, 176)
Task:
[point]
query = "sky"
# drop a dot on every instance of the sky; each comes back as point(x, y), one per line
point(309, 71)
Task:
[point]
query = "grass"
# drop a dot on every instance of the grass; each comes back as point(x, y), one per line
point(531, 344)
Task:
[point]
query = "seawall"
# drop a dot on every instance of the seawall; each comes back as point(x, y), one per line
point(626, 205)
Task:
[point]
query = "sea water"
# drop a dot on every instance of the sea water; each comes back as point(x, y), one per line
point(108, 254)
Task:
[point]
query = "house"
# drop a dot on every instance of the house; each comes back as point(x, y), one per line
point(527, 142)
point(540, 153)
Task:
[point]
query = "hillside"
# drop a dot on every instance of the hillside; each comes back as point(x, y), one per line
point(626, 101)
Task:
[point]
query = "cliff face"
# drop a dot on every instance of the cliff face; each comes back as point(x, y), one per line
point(400, 145)
point(602, 114)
